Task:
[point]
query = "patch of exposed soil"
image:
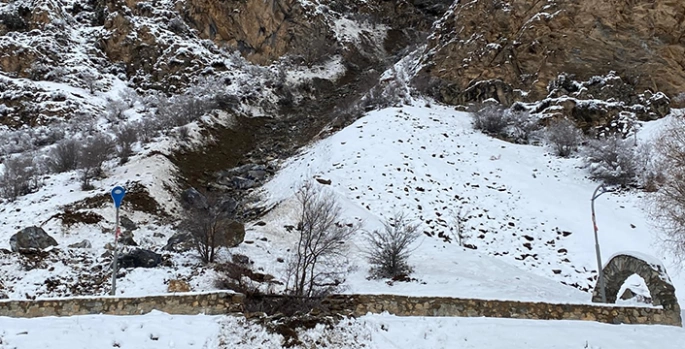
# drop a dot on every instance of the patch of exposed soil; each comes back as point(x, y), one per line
point(137, 198)
point(70, 217)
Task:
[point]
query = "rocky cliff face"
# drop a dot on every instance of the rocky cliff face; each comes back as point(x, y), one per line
point(263, 30)
point(527, 44)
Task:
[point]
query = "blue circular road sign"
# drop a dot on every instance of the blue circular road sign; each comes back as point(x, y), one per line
point(118, 193)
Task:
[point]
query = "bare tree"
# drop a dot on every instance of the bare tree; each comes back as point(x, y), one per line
point(91, 81)
point(669, 201)
point(208, 218)
point(129, 96)
point(320, 263)
point(564, 137)
point(20, 177)
point(115, 110)
point(93, 154)
point(64, 156)
point(388, 250)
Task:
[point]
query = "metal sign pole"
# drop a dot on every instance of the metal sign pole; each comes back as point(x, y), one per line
point(602, 288)
point(116, 257)
point(117, 195)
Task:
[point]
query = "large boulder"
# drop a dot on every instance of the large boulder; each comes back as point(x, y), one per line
point(140, 258)
point(524, 45)
point(232, 236)
point(31, 238)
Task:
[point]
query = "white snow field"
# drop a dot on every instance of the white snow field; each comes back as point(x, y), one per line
point(527, 208)
point(382, 331)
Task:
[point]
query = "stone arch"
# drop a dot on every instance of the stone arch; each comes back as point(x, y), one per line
point(623, 265)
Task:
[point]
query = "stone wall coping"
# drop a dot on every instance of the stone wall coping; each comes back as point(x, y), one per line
point(541, 301)
point(118, 297)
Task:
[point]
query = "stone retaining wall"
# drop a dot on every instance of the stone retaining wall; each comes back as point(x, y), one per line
point(438, 306)
point(207, 303)
point(225, 302)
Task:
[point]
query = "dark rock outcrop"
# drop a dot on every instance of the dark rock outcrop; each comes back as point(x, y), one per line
point(140, 258)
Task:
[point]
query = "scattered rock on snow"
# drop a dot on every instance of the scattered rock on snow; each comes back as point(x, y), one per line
point(31, 238)
point(241, 259)
point(324, 181)
point(180, 242)
point(127, 223)
point(140, 258)
point(126, 238)
point(244, 177)
point(83, 244)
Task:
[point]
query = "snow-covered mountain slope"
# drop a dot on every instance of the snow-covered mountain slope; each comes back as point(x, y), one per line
point(528, 227)
point(525, 206)
point(159, 330)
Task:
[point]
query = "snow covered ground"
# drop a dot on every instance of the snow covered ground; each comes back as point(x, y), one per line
point(528, 213)
point(383, 331)
point(526, 207)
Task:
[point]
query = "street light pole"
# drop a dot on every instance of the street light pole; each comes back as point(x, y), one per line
point(602, 288)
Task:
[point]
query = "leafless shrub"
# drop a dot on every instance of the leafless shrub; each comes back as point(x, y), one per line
point(82, 122)
point(459, 219)
point(12, 142)
point(147, 128)
point(650, 167)
point(492, 120)
point(64, 156)
point(183, 134)
point(668, 205)
point(564, 137)
point(57, 74)
point(236, 277)
point(91, 81)
point(126, 137)
point(611, 159)
point(388, 250)
point(129, 96)
point(320, 263)
point(20, 176)
point(93, 154)
point(181, 110)
point(521, 125)
point(207, 219)
point(115, 109)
